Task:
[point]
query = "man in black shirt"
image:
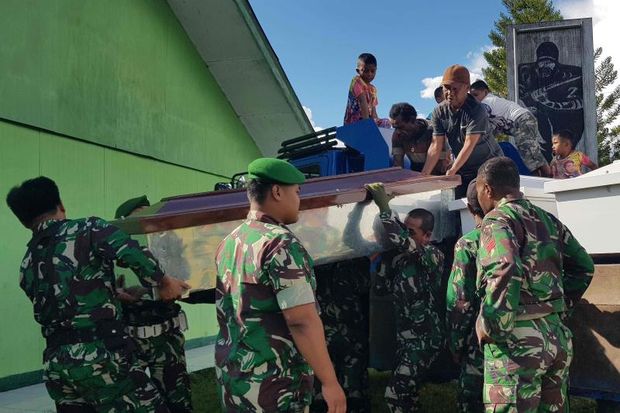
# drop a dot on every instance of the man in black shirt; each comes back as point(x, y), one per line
point(465, 123)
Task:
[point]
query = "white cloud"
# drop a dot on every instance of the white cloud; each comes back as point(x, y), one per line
point(475, 63)
point(605, 15)
point(572, 9)
point(309, 115)
point(430, 84)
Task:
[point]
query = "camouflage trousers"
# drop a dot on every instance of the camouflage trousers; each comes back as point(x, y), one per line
point(413, 360)
point(529, 372)
point(164, 356)
point(348, 350)
point(343, 293)
point(268, 388)
point(471, 379)
point(98, 377)
point(528, 141)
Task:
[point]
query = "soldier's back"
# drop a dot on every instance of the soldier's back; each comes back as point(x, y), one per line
point(532, 269)
point(540, 237)
point(416, 288)
point(68, 274)
point(77, 289)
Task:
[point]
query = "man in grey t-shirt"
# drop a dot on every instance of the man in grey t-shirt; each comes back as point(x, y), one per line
point(465, 123)
point(520, 123)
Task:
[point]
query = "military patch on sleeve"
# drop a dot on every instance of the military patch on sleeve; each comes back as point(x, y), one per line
point(490, 245)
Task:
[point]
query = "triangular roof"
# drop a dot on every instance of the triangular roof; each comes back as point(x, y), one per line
point(232, 44)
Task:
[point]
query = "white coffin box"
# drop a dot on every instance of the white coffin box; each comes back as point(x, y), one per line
point(533, 188)
point(588, 205)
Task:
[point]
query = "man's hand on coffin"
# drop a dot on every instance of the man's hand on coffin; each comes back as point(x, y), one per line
point(172, 288)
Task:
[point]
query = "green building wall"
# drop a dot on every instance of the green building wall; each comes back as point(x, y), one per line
point(111, 100)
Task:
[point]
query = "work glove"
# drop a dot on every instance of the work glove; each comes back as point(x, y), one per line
point(381, 198)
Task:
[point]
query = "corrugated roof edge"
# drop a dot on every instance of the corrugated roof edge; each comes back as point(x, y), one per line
point(267, 129)
point(274, 62)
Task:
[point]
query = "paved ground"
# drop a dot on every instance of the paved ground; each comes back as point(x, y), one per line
point(35, 399)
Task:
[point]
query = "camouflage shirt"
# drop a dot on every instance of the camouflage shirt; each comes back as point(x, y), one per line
point(68, 272)
point(529, 265)
point(413, 277)
point(262, 269)
point(462, 301)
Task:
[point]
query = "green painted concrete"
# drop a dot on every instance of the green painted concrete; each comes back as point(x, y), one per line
point(116, 72)
point(93, 180)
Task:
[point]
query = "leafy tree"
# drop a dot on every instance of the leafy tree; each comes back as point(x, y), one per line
point(518, 12)
point(607, 108)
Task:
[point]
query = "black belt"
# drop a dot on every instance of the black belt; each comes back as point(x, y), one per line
point(178, 323)
point(102, 331)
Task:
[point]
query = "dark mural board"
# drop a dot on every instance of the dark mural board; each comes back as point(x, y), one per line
point(551, 72)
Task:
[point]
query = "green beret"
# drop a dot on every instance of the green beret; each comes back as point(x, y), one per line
point(275, 171)
point(128, 207)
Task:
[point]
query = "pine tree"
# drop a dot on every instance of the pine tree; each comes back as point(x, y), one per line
point(607, 108)
point(518, 12)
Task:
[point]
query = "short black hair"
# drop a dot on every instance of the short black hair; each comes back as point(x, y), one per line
point(438, 92)
point(566, 135)
point(258, 190)
point(33, 198)
point(472, 199)
point(480, 85)
point(368, 59)
point(404, 110)
point(427, 218)
point(501, 174)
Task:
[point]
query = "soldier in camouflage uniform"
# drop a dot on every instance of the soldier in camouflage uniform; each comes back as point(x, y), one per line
point(463, 305)
point(68, 274)
point(531, 271)
point(415, 284)
point(511, 118)
point(157, 328)
point(271, 337)
point(343, 296)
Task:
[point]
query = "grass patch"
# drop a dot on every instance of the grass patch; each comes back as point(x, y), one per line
point(436, 398)
point(204, 391)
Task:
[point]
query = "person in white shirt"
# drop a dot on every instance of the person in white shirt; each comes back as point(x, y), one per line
point(522, 126)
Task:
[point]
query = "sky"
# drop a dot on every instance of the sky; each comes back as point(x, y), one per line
point(318, 41)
